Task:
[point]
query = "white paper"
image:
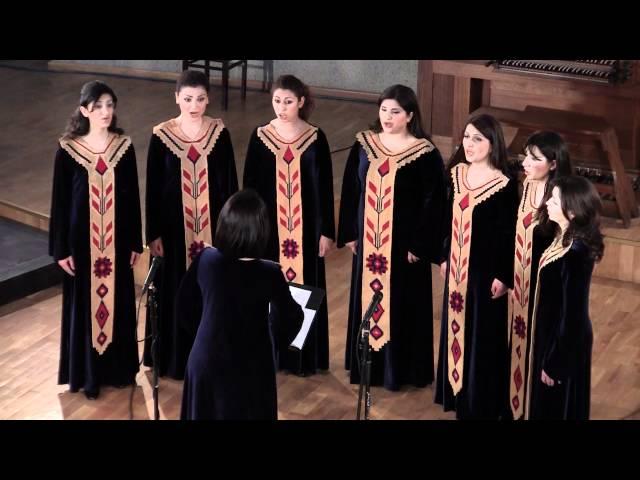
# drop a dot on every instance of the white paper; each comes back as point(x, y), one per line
point(304, 331)
point(301, 297)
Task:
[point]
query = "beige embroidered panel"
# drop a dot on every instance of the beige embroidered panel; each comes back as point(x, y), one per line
point(554, 252)
point(378, 226)
point(289, 196)
point(102, 220)
point(464, 201)
point(193, 154)
point(519, 301)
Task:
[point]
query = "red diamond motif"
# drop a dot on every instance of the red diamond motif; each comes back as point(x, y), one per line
point(384, 168)
point(516, 402)
point(376, 286)
point(288, 156)
point(455, 349)
point(377, 313)
point(526, 221)
point(101, 167)
point(455, 328)
point(102, 290)
point(102, 314)
point(290, 274)
point(517, 378)
point(455, 375)
point(102, 338)
point(193, 154)
point(376, 332)
point(464, 203)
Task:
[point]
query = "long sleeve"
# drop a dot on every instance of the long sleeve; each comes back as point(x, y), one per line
point(576, 277)
point(447, 218)
point(327, 223)
point(188, 305)
point(426, 238)
point(350, 199)
point(59, 223)
point(251, 170)
point(225, 158)
point(155, 186)
point(223, 179)
point(129, 175)
point(507, 215)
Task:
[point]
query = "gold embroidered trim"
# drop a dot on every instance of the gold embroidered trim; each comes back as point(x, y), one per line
point(554, 252)
point(289, 196)
point(519, 301)
point(464, 201)
point(378, 226)
point(193, 155)
point(102, 232)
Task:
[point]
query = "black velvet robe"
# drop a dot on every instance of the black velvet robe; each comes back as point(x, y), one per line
point(417, 209)
point(80, 364)
point(317, 219)
point(485, 383)
point(231, 373)
point(165, 219)
point(563, 338)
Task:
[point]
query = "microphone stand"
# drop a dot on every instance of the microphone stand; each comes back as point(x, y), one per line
point(152, 303)
point(365, 360)
point(365, 370)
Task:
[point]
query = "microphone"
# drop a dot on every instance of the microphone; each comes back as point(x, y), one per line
point(155, 264)
point(375, 301)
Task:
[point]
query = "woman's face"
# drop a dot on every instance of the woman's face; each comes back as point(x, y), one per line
point(393, 118)
point(476, 146)
point(536, 165)
point(554, 207)
point(286, 105)
point(192, 101)
point(100, 112)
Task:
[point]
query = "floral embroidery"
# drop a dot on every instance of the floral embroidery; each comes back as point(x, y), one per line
point(102, 267)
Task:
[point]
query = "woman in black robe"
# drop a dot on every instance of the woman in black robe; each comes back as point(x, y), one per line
point(95, 236)
point(546, 157)
point(390, 217)
point(477, 264)
point(289, 164)
point(191, 173)
point(560, 359)
point(225, 297)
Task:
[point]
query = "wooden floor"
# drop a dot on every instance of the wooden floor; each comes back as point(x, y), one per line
point(37, 104)
point(30, 342)
point(34, 111)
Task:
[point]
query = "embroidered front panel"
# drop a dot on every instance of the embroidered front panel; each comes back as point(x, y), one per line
point(289, 196)
point(193, 155)
point(102, 232)
point(464, 202)
point(554, 252)
point(519, 301)
point(378, 226)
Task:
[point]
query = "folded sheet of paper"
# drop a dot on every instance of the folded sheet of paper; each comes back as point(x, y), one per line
point(301, 297)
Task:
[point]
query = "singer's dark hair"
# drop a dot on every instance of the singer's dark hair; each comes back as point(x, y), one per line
point(243, 226)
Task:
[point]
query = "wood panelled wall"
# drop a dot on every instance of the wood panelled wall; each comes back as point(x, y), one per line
point(449, 89)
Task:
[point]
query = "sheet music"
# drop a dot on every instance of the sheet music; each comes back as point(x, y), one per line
point(304, 331)
point(301, 297)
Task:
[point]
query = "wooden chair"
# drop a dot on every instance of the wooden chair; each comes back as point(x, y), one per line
point(221, 66)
